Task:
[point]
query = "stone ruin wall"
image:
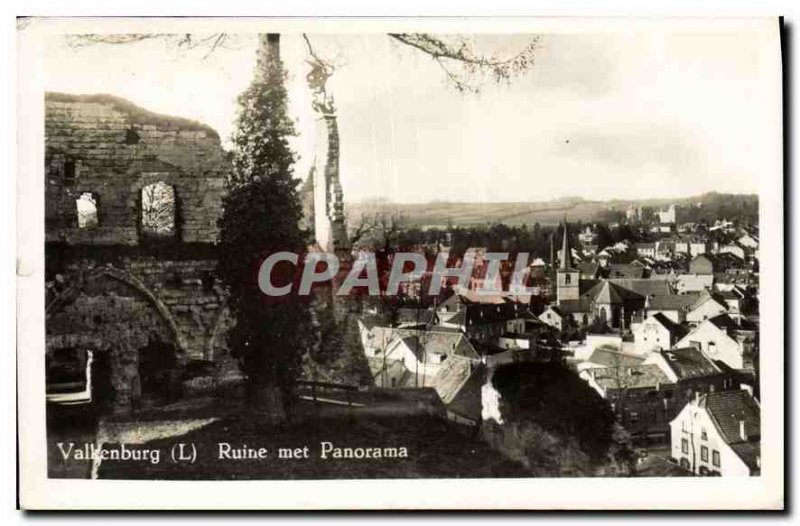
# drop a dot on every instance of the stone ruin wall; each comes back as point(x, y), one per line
point(108, 287)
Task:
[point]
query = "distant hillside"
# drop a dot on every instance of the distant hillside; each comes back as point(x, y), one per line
point(441, 214)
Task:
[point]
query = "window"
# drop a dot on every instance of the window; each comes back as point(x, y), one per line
point(87, 210)
point(567, 279)
point(684, 446)
point(704, 453)
point(69, 172)
point(715, 458)
point(158, 209)
point(703, 434)
point(633, 417)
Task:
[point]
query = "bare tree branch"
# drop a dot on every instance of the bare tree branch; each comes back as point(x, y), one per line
point(462, 63)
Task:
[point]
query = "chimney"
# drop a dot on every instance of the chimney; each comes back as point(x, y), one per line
point(742, 431)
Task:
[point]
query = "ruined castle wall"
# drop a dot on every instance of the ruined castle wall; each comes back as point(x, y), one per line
point(110, 287)
point(112, 149)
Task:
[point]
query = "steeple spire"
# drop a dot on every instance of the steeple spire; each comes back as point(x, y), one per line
point(566, 250)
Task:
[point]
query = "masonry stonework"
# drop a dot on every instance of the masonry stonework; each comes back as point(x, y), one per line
point(111, 287)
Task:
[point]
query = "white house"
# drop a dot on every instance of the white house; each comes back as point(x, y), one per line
point(736, 250)
point(673, 306)
point(707, 306)
point(718, 434)
point(654, 333)
point(693, 283)
point(667, 216)
point(748, 241)
point(647, 249)
point(554, 317)
point(718, 339)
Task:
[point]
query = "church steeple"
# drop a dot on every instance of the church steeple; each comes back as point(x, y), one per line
point(568, 278)
point(566, 250)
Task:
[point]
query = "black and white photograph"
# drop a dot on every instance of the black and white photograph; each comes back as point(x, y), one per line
point(539, 251)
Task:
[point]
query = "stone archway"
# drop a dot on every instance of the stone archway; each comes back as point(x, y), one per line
point(129, 280)
point(114, 314)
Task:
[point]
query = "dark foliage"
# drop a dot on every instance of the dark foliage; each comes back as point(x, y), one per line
point(261, 215)
point(556, 399)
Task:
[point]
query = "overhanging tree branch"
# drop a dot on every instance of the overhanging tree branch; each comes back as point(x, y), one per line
point(462, 63)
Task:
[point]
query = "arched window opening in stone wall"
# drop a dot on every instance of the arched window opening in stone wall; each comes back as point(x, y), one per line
point(87, 210)
point(158, 209)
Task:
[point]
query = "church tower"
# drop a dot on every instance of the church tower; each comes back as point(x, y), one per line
point(567, 277)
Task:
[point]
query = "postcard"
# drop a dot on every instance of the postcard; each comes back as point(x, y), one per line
point(433, 263)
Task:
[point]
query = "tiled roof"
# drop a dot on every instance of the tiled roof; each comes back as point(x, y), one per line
point(726, 323)
point(728, 408)
point(467, 402)
point(705, 296)
point(434, 340)
point(607, 292)
point(450, 378)
point(587, 267)
point(680, 302)
point(638, 376)
point(614, 359)
point(412, 315)
point(689, 363)
point(625, 271)
point(644, 287)
point(575, 306)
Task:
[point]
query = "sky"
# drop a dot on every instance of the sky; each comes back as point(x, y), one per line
point(626, 114)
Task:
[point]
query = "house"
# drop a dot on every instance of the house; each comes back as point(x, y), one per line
point(638, 394)
point(587, 236)
point(718, 434)
point(625, 271)
point(589, 270)
point(634, 213)
point(608, 356)
point(648, 392)
point(707, 305)
point(701, 264)
point(646, 249)
point(725, 339)
point(554, 317)
point(698, 246)
point(613, 304)
point(748, 240)
point(537, 268)
point(733, 299)
point(693, 282)
point(645, 287)
point(731, 262)
point(673, 306)
point(667, 216)
point(655, 333)
point(736, 250)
